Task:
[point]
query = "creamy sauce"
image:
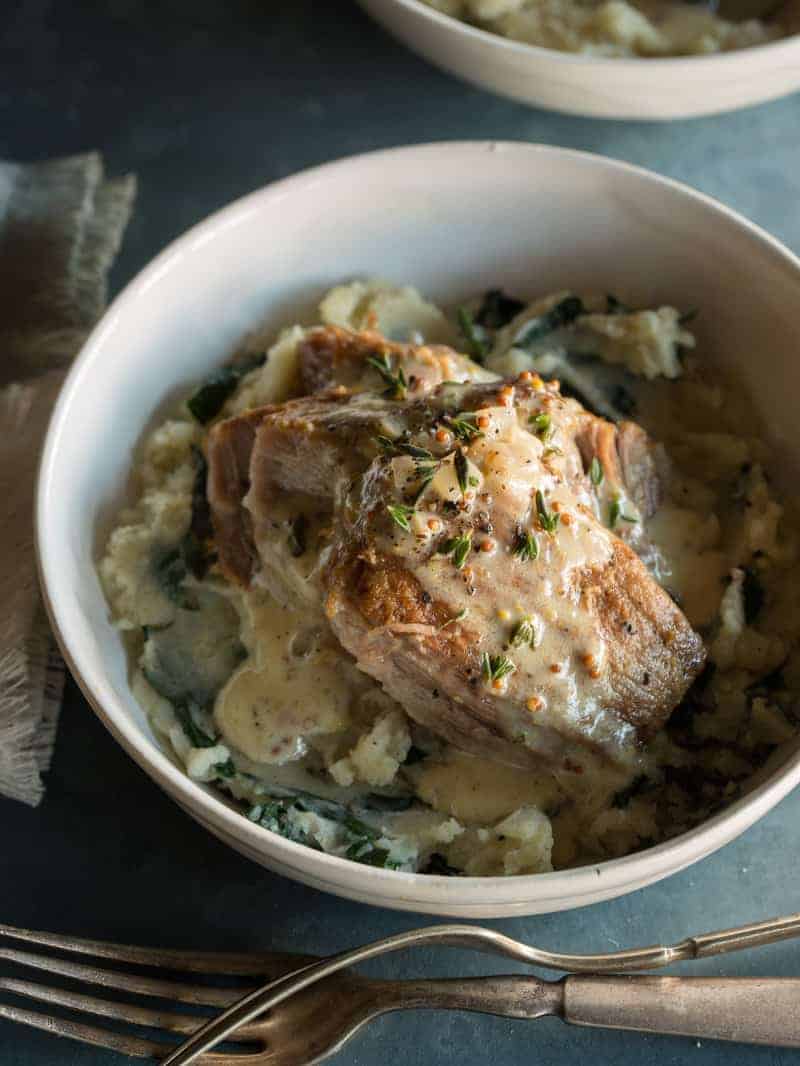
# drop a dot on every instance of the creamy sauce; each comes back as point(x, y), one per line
point(560, 683)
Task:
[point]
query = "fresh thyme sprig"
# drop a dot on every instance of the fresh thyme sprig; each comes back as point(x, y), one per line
point(496, 667)
point(524, 632)
point(462, 470)
point(526, 546)
point(401, 515)
point(458, 548)
point(616, 514)
point(463, 426)
point(402, 447)
point(397, 382)
point(548, 520)
point(542, 425)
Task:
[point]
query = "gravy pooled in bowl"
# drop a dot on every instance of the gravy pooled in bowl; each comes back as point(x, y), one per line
point(494, 592)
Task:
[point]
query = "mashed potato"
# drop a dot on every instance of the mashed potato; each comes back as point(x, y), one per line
point(614, 27)
point(251, 695)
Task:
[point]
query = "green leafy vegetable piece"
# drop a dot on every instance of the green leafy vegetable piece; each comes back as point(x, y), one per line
point(197, 737)
point(195, 546)
point(596, 471)
point(172, 663)
point(376, 802)
point(561, 314)
point(477, 347)
point(210, 398)
point(170, 571)
point(225, 769)
point(497, 309)
point(438, 865)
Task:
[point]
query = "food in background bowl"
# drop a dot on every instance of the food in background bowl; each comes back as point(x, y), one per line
point(619, 27)
point(461, 613)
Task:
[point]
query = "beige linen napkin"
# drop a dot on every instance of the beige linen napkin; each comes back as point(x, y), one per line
point(61, 224)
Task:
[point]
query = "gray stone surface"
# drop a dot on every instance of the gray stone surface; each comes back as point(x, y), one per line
point(206, 101)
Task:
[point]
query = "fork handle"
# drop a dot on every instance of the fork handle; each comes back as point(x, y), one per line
point(750, 1010)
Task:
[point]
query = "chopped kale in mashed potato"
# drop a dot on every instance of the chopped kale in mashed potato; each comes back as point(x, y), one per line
point(252, 694)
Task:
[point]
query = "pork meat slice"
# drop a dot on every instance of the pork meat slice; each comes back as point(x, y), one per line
point(469, 569)
point(339, 362)
point(367, 362)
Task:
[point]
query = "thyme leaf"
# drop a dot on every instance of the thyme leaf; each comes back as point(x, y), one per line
point(462, 614)
point(596, 471)
point(495, 667)
point(526, 546)
point(462, 426)
point(401, 515)
point(461, 469)
point(616, 514)
point(547, 519)
point(542, 425)
point(402, 447)
point(524, 632)
point(425, 471)
point(396, 382)
point(458, 548)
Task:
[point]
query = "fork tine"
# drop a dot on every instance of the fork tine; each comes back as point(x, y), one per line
point(125, 982)
point(121, 1012)
point(105, 1038)
point(266, 964)
point(89, 1034)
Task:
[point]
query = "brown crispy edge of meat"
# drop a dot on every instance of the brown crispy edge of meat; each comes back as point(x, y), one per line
point(226, 486)
point(670, 636)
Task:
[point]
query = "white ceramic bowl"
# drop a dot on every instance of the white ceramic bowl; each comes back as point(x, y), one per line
point(452, 219)
point(594, 85)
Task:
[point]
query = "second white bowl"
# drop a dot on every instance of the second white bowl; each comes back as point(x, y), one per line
point(594, 85)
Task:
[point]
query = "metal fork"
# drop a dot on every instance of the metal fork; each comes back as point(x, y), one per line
point(299, 1033)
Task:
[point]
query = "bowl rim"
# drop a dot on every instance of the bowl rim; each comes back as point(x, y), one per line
point(389, 887)
point(772, 50)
